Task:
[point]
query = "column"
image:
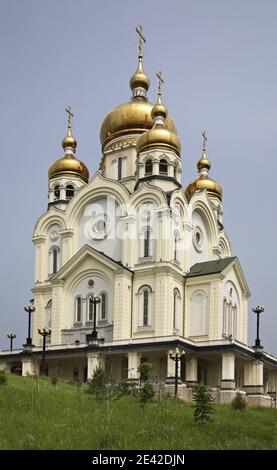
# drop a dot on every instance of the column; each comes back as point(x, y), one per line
point(28, 366)
point(191, 371)
point(95, 360)
point(155, 167)
point(253, 377)
point(228, 372)
point(134, 359)
point(254, 384)
point(66, 249)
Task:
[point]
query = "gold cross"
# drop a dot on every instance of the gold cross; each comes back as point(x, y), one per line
point(141, 38)
point(205, 138)
point(70, 115)
point(161, 80)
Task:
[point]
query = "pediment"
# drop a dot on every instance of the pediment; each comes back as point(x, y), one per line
point(84, 259)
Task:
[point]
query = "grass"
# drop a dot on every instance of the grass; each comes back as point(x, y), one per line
point(34, 414)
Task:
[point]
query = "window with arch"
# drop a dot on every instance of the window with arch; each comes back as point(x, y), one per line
point(103, 306)
point(230, 311)
point(57, 192)
point(90, 307)
point(229, 322)
point(177, 240)
point(78, 309)
point(163, 167)
point(148, 167)
point(48, 314)
point(119, 168)
point(54, 259)
point(198, 314)
point(69, 191)
point(176, 302)
point(145, 307)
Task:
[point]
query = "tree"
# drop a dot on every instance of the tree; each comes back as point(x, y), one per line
point(145, 370)
point(203, 407)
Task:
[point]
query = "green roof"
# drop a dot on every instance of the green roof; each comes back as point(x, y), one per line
point(210, 267)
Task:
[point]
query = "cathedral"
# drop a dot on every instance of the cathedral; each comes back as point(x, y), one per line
point(130, 266)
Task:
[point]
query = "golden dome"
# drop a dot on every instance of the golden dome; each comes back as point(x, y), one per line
point(159, 135)
point(69, 165)
point(133, 117)
point(204, 182)
point(140, 79)
point(69, 140)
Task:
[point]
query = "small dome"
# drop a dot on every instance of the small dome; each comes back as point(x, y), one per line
point(158, 137)
point(140, 79)
point(69, 165)
point(204, 182)
point(69, 141)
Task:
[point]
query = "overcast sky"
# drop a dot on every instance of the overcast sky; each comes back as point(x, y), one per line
point(219, 61)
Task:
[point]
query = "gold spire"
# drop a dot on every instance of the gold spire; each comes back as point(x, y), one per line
point(69, 165)
point(159, 110)
point(204, 181)
point(204, 163)
point(139, 82)
point(69, 141)
point(159, 135)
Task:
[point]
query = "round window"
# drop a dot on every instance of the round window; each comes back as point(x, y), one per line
point(100, 227)
point(198, 239)
point(90, 283)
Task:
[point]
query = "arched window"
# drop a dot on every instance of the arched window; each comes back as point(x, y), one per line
point(54, 261)
point(176, 299)
point(145, 308)
point(145, 294)
point(78, 309)
point(57, 191)
point(177, 239)
point(163, 167)
point(48, 313)
point(103, 306)
point(119, 168)
point(148, 167)
point(198, 314)
point(90, 308)
point(146, 247)
point(69, 191)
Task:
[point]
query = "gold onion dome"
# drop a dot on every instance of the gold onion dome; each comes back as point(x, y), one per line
point(133, 117)
point(160, 135)
point(69, 164)
point(204, 182)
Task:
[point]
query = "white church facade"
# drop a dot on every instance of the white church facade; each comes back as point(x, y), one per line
point(142, 263)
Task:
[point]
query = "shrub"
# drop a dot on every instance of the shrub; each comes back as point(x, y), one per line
point(203, 407)
point(97, 385)
point(146, 394)
point(239, 403)
point(3, 377)
point(54, 379)
point(145, 370)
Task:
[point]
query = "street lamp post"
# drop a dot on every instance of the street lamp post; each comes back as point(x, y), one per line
point(176, 357)
point(92, 337)
point(11, 337)
point(258, 309)
point(29, 309)
point(44, 333)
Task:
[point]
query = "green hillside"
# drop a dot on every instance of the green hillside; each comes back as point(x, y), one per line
point(34, 414)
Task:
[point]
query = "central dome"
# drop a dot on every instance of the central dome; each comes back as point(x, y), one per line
point(130, 118)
